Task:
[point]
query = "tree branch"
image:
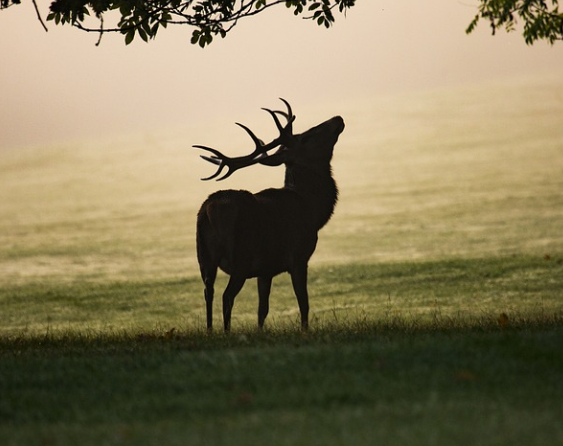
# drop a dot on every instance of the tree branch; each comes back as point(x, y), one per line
point(144, 18)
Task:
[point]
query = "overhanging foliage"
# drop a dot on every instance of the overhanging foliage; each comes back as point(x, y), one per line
point(540, 19)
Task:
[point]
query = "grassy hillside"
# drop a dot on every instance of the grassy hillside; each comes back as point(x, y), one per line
point(469, 173)
point(436, 289)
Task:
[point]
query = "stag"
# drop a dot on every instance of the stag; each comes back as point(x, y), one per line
point(273, 231)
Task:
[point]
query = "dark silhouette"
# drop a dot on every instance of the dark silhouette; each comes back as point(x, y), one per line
point(275, 230)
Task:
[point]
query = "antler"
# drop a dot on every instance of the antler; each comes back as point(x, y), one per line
point(261, 149)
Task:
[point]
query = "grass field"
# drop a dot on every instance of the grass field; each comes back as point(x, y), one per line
point(436, 290)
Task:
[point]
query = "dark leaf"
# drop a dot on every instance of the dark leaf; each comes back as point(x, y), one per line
point(129, 37)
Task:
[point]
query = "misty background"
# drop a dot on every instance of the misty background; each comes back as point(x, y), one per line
point(58, 86)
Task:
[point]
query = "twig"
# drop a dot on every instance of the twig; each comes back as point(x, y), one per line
point(101, 17)
point(39, 16)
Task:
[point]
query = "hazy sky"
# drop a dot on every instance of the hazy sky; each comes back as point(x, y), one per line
point(59, 86)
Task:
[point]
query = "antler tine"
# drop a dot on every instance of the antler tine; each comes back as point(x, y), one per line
point(287, 115)
point(289, 111)
point(218, 159)
point(211, 159)
point(215, 175)
point(215, 152)
point(212, 176)
point(275, 118)
point(257, 141)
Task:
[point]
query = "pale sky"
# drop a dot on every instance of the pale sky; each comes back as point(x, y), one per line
point(58, 86)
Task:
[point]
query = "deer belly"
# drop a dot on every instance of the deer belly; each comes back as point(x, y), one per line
point(261, 261)
point(270, 265)
point(253, 258)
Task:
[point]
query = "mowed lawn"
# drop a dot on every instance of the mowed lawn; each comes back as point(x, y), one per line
point(436, 289)
point(360, 383)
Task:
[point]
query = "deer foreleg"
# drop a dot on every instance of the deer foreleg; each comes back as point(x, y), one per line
point(264, 287)
point(233, 288)
point(299, 281)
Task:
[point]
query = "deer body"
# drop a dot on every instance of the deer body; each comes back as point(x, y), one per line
point(273, 231)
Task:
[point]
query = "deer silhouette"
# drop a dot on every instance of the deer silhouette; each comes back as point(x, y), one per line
point(261, 235)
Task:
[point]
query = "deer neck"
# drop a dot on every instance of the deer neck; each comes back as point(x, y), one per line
point(317, 188)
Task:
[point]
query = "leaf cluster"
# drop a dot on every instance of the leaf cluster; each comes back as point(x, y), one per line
point(209, 18)
point(321, 9)
point(541, 19)
point(7, 3)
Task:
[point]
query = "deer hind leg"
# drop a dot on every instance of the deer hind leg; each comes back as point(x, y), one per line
point(299, 281)
point(264, 287)
point(209, 281)
point(233, 288)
